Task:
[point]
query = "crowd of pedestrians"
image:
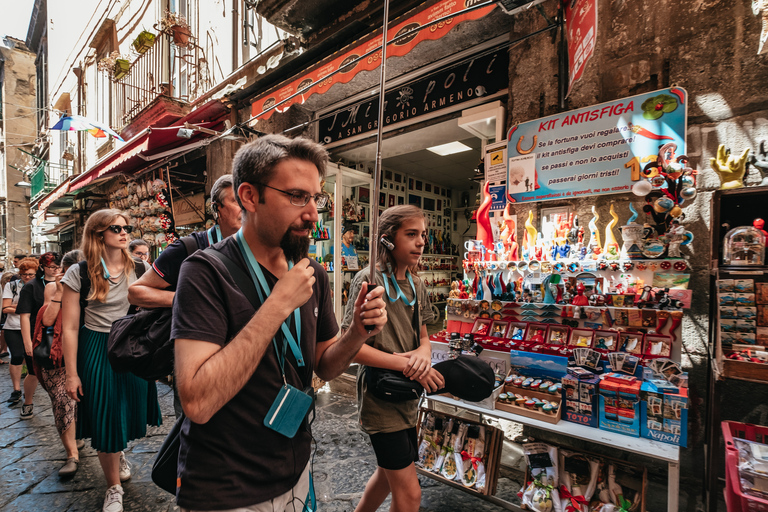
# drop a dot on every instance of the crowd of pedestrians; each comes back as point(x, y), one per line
point(252, 322)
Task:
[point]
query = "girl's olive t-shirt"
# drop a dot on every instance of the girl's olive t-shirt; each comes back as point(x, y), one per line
point(375, 415)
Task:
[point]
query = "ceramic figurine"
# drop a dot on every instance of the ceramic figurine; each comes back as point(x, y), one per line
point(729, 168)
point(594, 247)
point(676, 236)
point(484, 231)
point(611, 247)
point(760, 164)
point(530, 236)
point(580, 299)
point(632, 235)
point(509, 235)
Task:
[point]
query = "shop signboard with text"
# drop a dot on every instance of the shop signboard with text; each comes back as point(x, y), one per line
point(581, 34)
point(595, 150)
point(471, 79)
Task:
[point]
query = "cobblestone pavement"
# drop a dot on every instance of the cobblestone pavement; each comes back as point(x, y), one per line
point(31, 455)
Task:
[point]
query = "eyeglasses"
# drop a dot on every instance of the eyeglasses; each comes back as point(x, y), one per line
point(116, 229)
point(33, 274)
point(53, 267)
point(300, 198)
point(140, 254)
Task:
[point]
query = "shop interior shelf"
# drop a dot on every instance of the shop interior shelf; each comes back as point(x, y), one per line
point(639, 445)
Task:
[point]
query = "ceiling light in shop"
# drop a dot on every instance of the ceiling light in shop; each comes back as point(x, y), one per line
point(450, 148)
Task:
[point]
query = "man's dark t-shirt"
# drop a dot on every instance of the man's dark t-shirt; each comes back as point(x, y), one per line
point(234, 460)
point(168, 264)
point(31, 299)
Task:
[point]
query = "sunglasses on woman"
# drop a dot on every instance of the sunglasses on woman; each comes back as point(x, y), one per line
point(117, 229)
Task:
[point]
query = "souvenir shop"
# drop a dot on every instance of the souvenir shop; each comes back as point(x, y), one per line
point(559, 252)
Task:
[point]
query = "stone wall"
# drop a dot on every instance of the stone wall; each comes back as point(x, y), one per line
point(18, 130)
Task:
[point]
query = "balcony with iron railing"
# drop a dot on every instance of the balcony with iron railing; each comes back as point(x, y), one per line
point(42, 182)
point(160, 83)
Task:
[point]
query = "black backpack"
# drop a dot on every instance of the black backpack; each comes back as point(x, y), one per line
point(15, 289)
point(140, 342)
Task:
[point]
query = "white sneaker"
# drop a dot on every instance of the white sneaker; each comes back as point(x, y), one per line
point(125, 468)
point(113, 501)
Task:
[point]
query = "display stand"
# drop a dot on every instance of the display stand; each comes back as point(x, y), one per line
point(646, 447)
point(341, 179)
point(730, 208)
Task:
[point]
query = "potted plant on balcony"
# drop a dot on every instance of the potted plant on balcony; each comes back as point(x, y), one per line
point(177, 26)
point(144, 41)
point(115, 65)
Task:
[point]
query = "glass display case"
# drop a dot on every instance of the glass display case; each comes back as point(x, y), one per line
point(744, 245)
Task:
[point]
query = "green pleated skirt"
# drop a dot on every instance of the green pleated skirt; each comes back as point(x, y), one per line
point(115, 407)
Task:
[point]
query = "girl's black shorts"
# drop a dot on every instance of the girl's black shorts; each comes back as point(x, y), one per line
point(395, 450)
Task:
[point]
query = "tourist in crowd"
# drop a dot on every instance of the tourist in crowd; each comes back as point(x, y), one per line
point(31, 300)
point(229, 370)
point(53, 379)
point(401, 347)
point(157, 289)
point(17, 259)
point(139, 249)
point(5, 279)
point(12, 329)
point(113, 408)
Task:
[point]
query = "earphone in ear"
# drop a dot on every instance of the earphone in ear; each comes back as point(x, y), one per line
point(387, 243)
point(215, 206)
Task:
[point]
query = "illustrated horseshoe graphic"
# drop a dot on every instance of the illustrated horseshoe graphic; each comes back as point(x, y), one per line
point(526, 151)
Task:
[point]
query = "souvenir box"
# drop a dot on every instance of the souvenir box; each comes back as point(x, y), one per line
point(657, 345)
point(482, 327)
point(535, 334)
point(631, 342)
point(664, 416)
point(516, 331)
point(606, 341)
point(581, 338)
point(494, 440)
point(528, 409)
point(619, 407)
point(580, 397)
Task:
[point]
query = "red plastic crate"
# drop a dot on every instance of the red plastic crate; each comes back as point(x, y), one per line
point(736, 500)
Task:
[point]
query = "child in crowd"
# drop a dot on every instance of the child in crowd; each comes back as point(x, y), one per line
point(402, 346)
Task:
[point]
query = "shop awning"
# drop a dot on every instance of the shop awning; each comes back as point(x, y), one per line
point(54, 194)
point(147, 146)
point(59, 227)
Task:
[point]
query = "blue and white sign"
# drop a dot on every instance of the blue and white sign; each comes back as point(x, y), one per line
point(498, 198)
point(595, 150)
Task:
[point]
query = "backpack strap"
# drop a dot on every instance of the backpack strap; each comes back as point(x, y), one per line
point(85, 289)
point(138, 267)
point(190, 242)
point(242, 280)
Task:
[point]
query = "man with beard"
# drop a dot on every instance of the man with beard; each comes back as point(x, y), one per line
point(239, 366)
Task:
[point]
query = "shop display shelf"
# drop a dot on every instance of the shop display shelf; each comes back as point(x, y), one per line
point(664, 452)
point(639, 445)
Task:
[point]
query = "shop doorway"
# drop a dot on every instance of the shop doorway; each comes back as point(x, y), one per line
point(438, 168)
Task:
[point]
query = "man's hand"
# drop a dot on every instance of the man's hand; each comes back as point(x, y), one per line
point(370, 309)
point(294, 289)
point(432, 381)
point(419, 362)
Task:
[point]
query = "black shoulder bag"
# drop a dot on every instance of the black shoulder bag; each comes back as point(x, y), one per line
point(140, 342)
point(392, 386)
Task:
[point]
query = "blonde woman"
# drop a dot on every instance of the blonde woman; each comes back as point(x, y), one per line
point(114, 408)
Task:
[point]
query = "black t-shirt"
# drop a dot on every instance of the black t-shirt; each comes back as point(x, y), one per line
point(234, 460)
point(31, 299)
point(168, 264)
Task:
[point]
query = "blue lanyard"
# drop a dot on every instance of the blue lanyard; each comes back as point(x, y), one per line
point(210, 234)
point(400, 295)
point(263, 290)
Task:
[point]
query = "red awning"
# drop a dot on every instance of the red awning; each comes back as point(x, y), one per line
point(149, 145)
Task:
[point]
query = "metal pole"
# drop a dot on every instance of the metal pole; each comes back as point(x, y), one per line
point(374, 240)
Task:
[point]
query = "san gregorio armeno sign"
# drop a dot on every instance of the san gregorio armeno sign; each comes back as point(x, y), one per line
point(478, 77)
